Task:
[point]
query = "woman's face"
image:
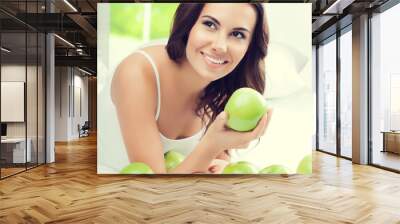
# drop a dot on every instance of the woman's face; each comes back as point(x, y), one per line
point(220, 38)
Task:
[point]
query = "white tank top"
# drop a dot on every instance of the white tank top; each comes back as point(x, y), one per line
point(185, 145)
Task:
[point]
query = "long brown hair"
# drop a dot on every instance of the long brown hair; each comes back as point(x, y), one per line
point(248, 73)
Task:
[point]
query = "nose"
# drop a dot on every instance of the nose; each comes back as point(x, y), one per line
point(219, 44)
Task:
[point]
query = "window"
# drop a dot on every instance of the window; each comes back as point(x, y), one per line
point(385, 89)
point(22, 64)
point(395, 102)
point(346, 94)
point(327, 97)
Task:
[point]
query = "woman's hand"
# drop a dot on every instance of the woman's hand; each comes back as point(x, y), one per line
point(217, 166)
point(219, 137)
point(220, 162)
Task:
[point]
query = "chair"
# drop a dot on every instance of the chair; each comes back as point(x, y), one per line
point(84, 130)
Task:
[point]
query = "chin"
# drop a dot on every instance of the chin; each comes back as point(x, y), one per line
point(211, 76)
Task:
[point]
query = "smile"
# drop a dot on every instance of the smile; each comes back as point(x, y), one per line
point(213, 60)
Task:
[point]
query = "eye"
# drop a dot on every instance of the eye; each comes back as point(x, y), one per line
point(238, 35)
point(209, 24)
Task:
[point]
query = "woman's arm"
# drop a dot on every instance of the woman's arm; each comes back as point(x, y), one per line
point(134, 95)
point(217, 139)
point(198, 160)
point(220, 162)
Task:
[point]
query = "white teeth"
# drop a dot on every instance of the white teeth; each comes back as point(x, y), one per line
point(215, 61)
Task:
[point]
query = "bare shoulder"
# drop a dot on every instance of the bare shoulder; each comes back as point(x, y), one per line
point(132, 77)
point(135, 74)
point(159, 53)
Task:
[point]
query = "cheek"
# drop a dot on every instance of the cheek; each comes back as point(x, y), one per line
point(196, 39)
point(238, 52)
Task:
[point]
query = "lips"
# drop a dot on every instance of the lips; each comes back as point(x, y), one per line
point(214, 61)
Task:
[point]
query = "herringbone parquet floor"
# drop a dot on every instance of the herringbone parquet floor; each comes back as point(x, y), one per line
point(70, 191)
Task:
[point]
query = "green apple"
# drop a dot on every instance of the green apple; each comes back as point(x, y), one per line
point(241, 167)
point(173, 159)
point(305, 165)
point(137, 168)
point(245, 108)
point(274, 169)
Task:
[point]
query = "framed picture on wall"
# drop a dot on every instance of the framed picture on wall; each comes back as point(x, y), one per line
point(12, 101)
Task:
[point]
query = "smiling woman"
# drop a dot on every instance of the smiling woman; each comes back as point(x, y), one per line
point(171, 98)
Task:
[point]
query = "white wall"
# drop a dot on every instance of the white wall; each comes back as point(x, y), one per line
point(60, 105)
point(12, 73)
point(80, 83)
point(33, 127)
point(17, 73)
point(68, 83)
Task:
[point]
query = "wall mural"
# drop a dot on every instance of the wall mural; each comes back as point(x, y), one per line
point(215, 88)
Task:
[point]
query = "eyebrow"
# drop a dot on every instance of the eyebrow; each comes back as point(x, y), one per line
point(218, 23)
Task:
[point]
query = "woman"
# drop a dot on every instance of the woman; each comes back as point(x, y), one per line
point(172, 97)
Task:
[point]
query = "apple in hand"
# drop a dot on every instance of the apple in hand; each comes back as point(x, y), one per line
point(274, 169)
point(241, 167)
point(245, 108)
point(305, 165)
point(172, 159)
point(136, 168)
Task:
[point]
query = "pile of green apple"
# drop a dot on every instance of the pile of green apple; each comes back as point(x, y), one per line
point(241, 167)
point(274, 169)
point(245, 108)
point(305, 165)
point(172, 159)
point(136, 168)
point(245, 167)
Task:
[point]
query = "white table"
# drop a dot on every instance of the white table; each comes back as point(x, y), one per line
point(19, 148)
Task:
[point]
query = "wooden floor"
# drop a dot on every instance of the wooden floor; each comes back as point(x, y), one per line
point(10, 171)
point(70, 191)
point(387, 159)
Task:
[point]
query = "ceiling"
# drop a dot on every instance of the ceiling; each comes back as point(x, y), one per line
point(76, 22)
point(332, 15)
point(77, 25)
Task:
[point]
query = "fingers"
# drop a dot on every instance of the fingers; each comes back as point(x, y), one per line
point(256, 133)
point(221, 116)
point(221, 119)
point(213, 169)
point(269, 115)
point(239, 139)
point(261, 126)
point(217, 165)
